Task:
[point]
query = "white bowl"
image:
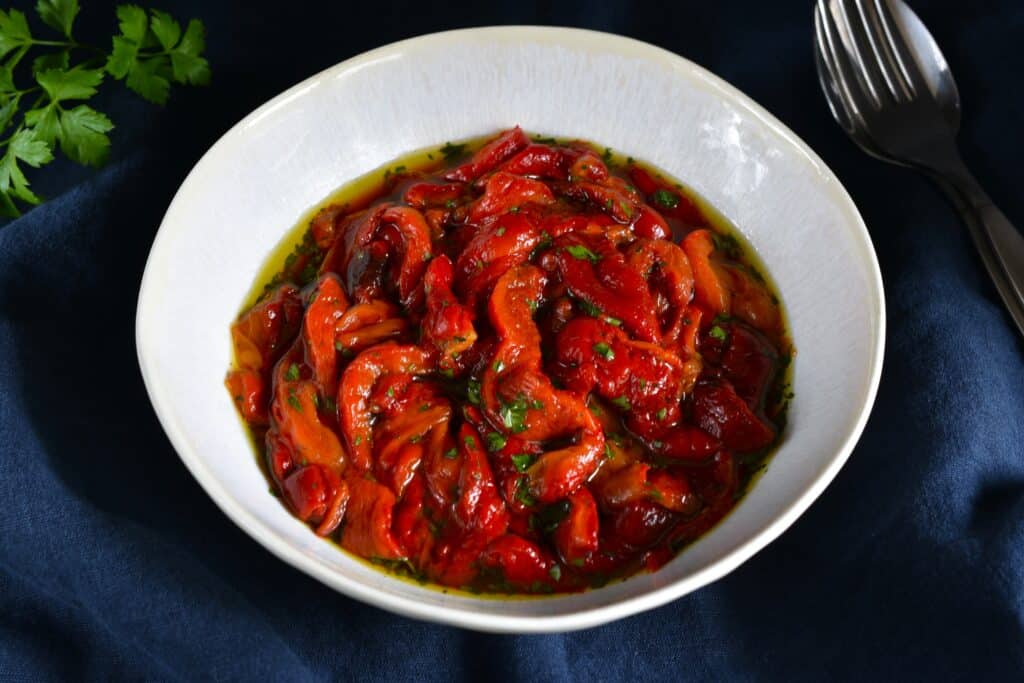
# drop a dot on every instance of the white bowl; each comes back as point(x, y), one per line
point(289, 154)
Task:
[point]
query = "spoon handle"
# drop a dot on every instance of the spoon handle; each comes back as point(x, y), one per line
point(998, 242)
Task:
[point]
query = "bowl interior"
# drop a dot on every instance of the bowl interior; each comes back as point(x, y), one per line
point(256, 181)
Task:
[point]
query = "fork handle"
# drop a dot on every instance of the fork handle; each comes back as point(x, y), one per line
point(998, 242)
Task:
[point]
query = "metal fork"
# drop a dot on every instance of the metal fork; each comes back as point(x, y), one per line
point(890, 89)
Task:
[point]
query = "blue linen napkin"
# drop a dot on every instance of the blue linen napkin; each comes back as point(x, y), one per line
point(114, 564)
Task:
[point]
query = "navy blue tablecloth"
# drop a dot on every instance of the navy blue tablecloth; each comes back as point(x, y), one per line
point(114, 564)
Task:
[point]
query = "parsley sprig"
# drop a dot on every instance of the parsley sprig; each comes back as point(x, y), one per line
point(149, 53)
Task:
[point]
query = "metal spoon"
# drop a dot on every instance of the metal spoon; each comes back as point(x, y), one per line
point(891, 90)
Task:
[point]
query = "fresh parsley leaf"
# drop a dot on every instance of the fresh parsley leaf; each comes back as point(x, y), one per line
point(54, 60)
point(150, 73)
point(165, 28)
point(187, 64)
point(150, 79)
point(7, 111)
point(14, 31)
point(132, 22)
point(70, 84)
point(25, 147)
point(58, 14)
point(84, 136)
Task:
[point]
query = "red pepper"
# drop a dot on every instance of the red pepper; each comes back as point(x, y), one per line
point(490, 155)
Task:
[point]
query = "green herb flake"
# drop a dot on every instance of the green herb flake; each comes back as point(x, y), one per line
point(523, 494)
point(522, 461)
point(580, 252)
point(470, 442)
point(666, 199)
point(451, 151)
point(495, 441)
point(451, 454)
point(293, 372)
point(513, 414)
point(661, 414)
point(621, 402)
point(293, 401)
point(473, 392)
point(555, 572)
point(718, 333)
point(602, 349)
point(608, 453)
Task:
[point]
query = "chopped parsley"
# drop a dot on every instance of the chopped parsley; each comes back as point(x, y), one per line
point(451, 151)
point(621, 402)
point(470, 442)
point(661, 414)
point(293, 401)
point(293, 372)
point(666, 199)
point(580, 252)
point(523, 494)
point(499, 365)
point(473, 392)
point(513, 414)
point(495, 441)
point(602, 349)
point(451, 454)
point(522, 461)
point(555, 572)
point(608, 453)
point(718, 333)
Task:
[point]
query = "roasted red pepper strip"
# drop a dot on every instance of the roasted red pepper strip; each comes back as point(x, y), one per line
point(327, 304)
point(710, 288)
point(490, 155)
point(620, 294)
point(447, 325)
point(357, 383)
point(505, 192)
point(723, 414)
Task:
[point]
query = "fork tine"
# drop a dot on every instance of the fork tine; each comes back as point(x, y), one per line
point(895, 76)
point(829, 80)
point(851, 29)
point(897, 45)
point(843, 71)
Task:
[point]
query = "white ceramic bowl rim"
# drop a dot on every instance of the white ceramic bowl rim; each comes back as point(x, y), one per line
point(600, 613)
